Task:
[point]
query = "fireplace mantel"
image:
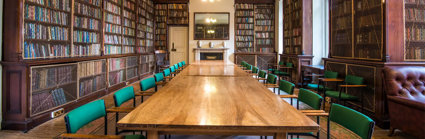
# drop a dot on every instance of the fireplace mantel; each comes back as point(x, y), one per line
point(198, 52)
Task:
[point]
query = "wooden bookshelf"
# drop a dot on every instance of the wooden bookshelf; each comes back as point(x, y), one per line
point(244, 27)
point(77, 44)
point(161, 26)
point(141, 27)
point(414, 30)
point(178, 14)
point(264, 28)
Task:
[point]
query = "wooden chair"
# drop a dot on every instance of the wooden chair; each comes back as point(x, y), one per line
point(248, 68)
point(254, 72)
point(285, 71)
point(85, 114)
point(167, 74)
point(146, 87)
point(350, 82)
point(184, 64)
point(321, 86)
point(352, 120)
point(120, 97)
point(271, 82)
point(159, 79)
point(262, 76)
point(287, 88)
point(173, 71)
point(273, 68)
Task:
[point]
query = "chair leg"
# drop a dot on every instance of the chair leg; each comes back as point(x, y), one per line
point(106, 124)
point(116, 121)
point(392, 131)
point(329, 129)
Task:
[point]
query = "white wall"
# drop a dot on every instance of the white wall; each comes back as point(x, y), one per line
point(216, 6)
point(280, 26)
point(320, 31)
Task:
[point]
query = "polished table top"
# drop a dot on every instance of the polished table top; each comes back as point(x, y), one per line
point(216, 103)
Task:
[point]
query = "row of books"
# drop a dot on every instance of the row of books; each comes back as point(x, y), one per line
point(113, 28)
point(297, 40)
point(87, 23)
point(244, 6)
point(141, 34)
point(129, 31)
point(342, 23)
point(369, 20)
point(183, 14)
point(132, 73)
point(132, 61)
point(129, 15)
point(342, 38)
point(245, 26)
point(161, 6)
point(43, 78)
point(160, 13)
point(116, 64)
point(86, 37)
point(368, 37)
point(40, 50)
point(244, 38)
point(264, 35)
point(266, 50)
point(244, 13)
point(244, 32)
point(64, 5)
point(112, 50)
point(415, 14)
point(263, 22)
point(264, 28)
point(91, 68)
point(264, 16)
point(161, 19)
point(116, 77)
point(86, 10)
point(179, 21)
point(112, 39)
point(247, 50)
point(112, 18)
point(87, 49)
point(245, 20)
point(264, 41)
point(244, 44)
point(415, 53)
point(93, 2)
point(296, 31)
point(264, 11)
point(92, 85)
point(342, 8)
point(415, 33)
point(142, 20)
point(367, 4)
point(127, 49)
point(177, 6)
point(41, 32)
point(161, 37)
point(149, 36)
point(47, 99)
point(41, 14)
point(161, 31)
point(160, 43)
point(111, 7)
point(130, 4)
point(129, 23)
point(415, 1)
point(128, 41)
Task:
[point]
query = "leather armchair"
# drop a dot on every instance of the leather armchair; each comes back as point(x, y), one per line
point(405, 91)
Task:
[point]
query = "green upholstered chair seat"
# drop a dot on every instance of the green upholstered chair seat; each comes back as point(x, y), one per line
point(123, 95)
point(344, 96)
point(134, 137)
point(316, 86)
point(147, 84)
point(278, 72)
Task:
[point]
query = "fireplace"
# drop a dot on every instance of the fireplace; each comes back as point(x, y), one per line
point(211, 56)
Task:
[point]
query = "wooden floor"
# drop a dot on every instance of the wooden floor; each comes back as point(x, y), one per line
point(55, 127)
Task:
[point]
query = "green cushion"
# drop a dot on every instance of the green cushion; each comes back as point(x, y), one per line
point(262, 74)
point(159, 77)
point(352, 120)
point(272, 70)
point(248, 67)
point(167, 72)
point(184, 63)
point(353, 80)
point(255, 70)
point(310, 98)
point(176, 67)
point(147, 84)
point(315, 86)
point(287, 87)
point(173, 69)
point(278, 72)
point(344, 96)
point(281, 63)
point(330, 74)
point(134, 137)
point(289, 65)
point(179, 64)
point(123, 95)
point(271, 79)
point(83, 115)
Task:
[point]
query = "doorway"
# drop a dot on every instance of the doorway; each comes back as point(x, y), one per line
point(179, 44)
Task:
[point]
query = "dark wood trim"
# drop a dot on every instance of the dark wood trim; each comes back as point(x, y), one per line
point(194, 25)
point(256, 1)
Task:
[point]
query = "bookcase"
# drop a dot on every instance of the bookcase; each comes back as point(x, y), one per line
point(255, 32)
point(61, 54)
point(161, 27)
point(368, 35)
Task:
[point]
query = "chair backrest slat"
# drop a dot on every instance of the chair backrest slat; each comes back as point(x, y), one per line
point(262, 74)
point(83, 115)
point(123, 95)
point(167, 72)
point(286, 86)
point(352, 120)
point(147, 84)
point(310, 98)
point(271, 78)
point(159, 77)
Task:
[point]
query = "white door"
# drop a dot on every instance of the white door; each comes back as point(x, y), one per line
point(179, 44)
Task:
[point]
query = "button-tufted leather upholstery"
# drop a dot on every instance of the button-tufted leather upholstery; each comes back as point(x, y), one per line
point(405, 89)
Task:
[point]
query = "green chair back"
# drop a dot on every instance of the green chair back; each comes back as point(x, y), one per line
point(352, 120)
point(179, 64)
point(184, 63)
point(289, 65)
point(353, 80)
point(255, 70)
point(83, 115)
point(123, 95)
point(271, 78)
point(286, 86)
point(147, 84)
point(262, 74)
point(167, 72)
point(176, 67)
point(330, 74)
point(159, 77)
point(281, 63)
point(310, 98)
point(248, 67)
point(172, 69)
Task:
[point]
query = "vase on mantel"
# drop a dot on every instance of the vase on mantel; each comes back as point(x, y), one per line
point(211, 45)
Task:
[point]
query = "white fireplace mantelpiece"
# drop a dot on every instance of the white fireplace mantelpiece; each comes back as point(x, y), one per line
point(198, 52)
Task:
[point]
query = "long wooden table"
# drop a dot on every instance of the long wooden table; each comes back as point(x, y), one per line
point(220, 99)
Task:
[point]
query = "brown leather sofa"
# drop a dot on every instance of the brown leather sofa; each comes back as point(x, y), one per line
point(405, 91)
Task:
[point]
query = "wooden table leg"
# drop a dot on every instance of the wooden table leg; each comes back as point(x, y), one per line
point(152, 134)
point(282, 135)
